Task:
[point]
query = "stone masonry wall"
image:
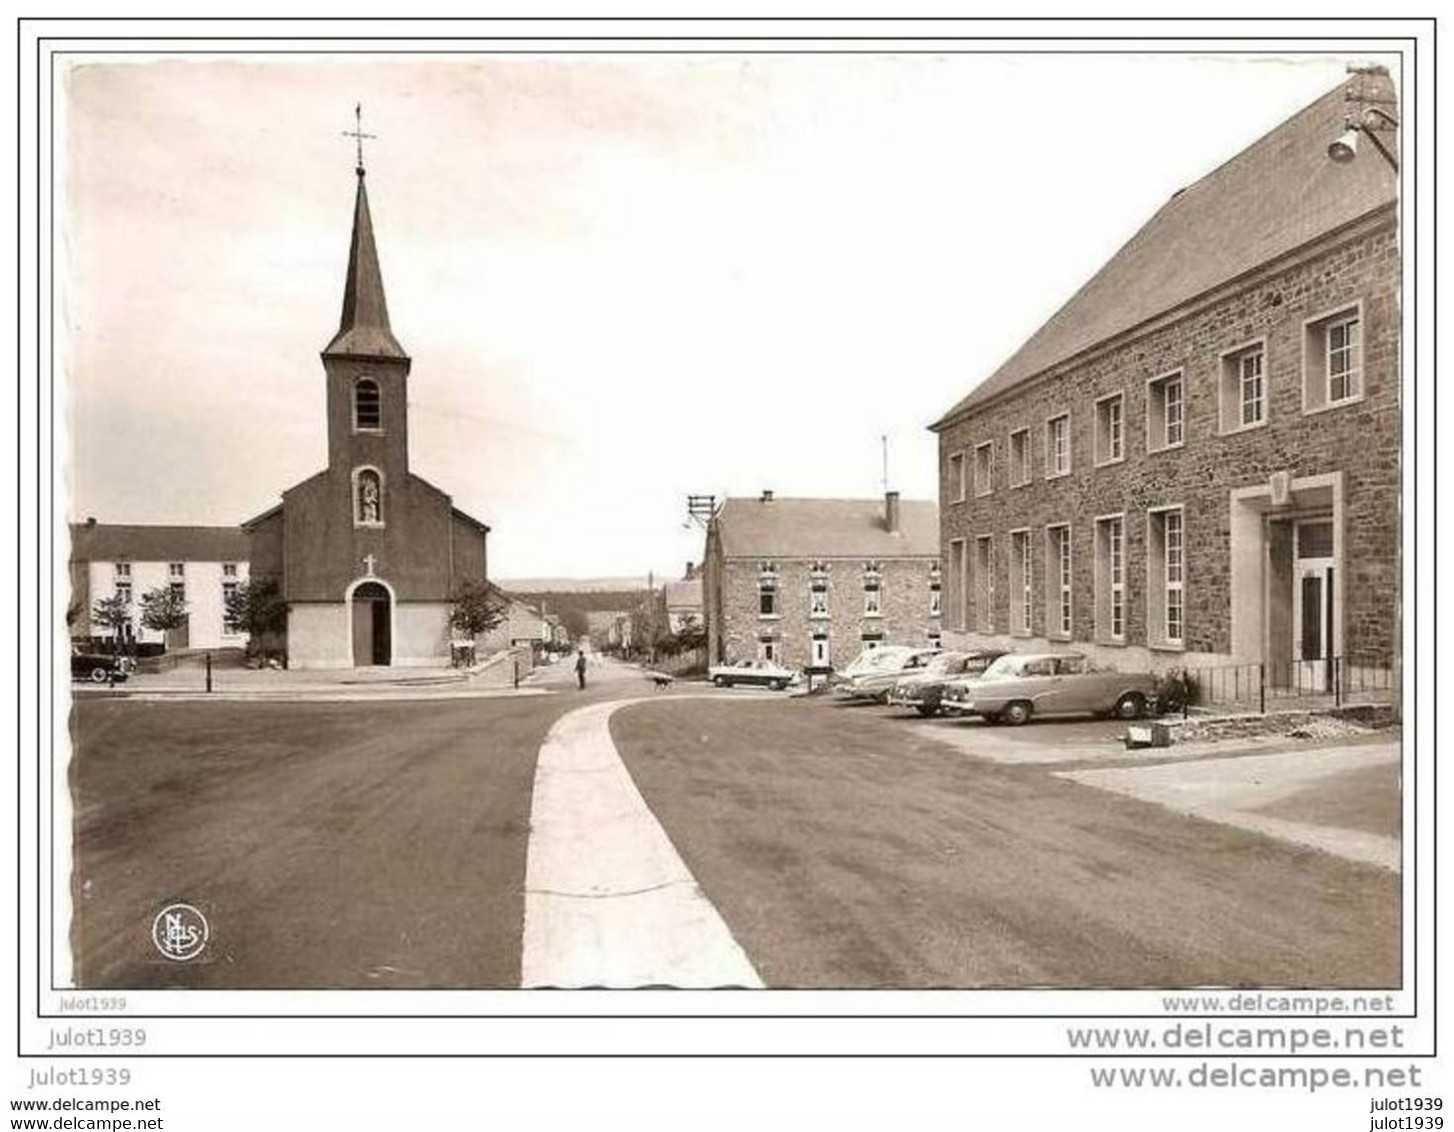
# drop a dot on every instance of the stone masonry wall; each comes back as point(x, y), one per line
point(905, 603)
point(1361, 439)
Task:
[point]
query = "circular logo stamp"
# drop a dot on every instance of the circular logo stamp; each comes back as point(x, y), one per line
point(179, 932)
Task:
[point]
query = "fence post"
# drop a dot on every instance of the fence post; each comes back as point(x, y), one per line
point(1262, 687)
point(209, 672)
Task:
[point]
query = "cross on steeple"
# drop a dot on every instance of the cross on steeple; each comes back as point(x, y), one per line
point(358, 135)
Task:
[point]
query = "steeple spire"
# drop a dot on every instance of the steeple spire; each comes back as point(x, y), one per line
point(363, 330)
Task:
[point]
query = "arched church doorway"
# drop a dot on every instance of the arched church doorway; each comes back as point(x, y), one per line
point(371, 643)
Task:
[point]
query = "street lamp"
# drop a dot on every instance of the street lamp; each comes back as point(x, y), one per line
point(1366, 118)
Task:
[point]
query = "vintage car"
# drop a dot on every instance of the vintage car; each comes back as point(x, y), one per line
point(99, 668)
point(1019, 686)
point(764, 673)
point(880, 672)
point(923, 689)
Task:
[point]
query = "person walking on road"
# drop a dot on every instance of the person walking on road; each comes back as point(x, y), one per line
point(581, 667)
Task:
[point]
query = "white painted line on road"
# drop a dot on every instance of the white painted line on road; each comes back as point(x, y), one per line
point(608, 901)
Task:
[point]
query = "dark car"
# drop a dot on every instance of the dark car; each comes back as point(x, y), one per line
point(98, 668)
point(924, 690)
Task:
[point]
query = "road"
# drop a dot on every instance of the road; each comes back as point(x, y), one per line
point(386, 845)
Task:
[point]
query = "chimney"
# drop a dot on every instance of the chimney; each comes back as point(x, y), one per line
point(891, 512)
point(691, 572)
point(767, 497)
point(90, 520)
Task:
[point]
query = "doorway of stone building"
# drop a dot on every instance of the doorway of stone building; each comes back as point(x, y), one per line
point(371, 621)
point(1313, 582)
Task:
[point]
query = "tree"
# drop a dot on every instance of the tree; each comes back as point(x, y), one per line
point(478, 608)
point(576, 623)
point(256, 607)
point(113, 613)
point(163, 609)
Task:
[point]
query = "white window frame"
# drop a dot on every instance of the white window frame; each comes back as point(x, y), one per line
point(818, 584)
point(873, 592)
point(1106, 583)
point(353, 404)
point(229, 569)
point(984, 613)
point(1021, 476)
point(1102, 460)
point(767, 582)
point(1051, 472)
point(1022, 583)
point(1315, 357)
point(959, 564)
point(936, 590)
point(1230, 382)
point(1159, 590)
point(1153, 428)
point(988, 487)
point(1059, 583)
point(959, 482)
point(123, 569)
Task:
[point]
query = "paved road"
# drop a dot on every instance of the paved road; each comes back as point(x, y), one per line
point(339, 845)
point(859, 856)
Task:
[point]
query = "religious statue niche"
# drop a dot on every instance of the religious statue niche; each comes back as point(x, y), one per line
point(368, 501)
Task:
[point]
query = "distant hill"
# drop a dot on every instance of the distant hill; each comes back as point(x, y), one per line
point(524, 586)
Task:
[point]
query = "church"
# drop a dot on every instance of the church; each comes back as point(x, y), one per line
point(367, 556)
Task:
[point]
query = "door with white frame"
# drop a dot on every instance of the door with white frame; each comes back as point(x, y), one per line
point(1312, 611)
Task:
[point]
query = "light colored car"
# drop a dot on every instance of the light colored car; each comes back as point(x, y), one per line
point(762, 673)
point(923, 690)
point(1019, 686)
point(876, 679)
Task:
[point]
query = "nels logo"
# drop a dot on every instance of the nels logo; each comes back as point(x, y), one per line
point(180, 932)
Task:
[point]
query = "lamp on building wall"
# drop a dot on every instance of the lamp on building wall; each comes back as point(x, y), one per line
point(1367, 120)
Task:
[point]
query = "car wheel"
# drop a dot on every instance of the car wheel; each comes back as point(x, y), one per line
point(927, 710)
point(1131, 706)
point(98, 675)
point(779, 685)
point(719, 681)
point(1016, 713)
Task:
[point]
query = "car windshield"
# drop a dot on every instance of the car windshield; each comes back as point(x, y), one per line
point(1005, 668)
point(945, 662)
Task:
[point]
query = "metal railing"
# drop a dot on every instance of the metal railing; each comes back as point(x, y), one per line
point(1331, 681)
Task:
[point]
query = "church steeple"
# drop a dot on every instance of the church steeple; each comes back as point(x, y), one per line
point(363, 330)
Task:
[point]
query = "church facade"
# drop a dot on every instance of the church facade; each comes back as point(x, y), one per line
point(367, 556)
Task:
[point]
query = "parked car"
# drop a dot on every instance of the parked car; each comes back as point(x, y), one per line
point(1018, 686)
point(876, 679)
point(923, 690)
point(764, 673)
point(99, 668)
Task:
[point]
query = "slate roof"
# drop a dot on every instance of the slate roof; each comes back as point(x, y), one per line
point(363, 328)
point(1275, 196)
point(117, 542)
point(684, 595)
point(826, 528)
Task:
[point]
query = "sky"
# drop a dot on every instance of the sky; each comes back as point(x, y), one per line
point(622, 279)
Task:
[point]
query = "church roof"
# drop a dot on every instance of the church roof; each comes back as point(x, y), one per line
point(132, 542)
point(1277, 195)
point(363, 329)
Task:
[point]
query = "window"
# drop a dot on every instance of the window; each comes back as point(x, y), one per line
point(1164, 412)
point(367, 414)
point(959, 584)
point(229, 590)
point(956, 477)
point(1111, 429)
point(1166, 577)
point(872, 589)
point(123, 581)
point(1057, 582)
point(1244, 388)
point(984, 468)
point(818, 590)
point(936, 596)
point(984, 583)
point(1022, 583)
point(1057, 446)
point(1111, 578)
point(821, 652)
point(177, 571)
point(123, 569)
point(229, 569)
point(1020, 457)
point(368, 498)
point(767, 648)
point(767, 590)
point(1333, 360)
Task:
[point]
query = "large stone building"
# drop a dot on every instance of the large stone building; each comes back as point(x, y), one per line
point(813, 582)
point(368, 555)
point(1196, 460)
point(198, 564)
